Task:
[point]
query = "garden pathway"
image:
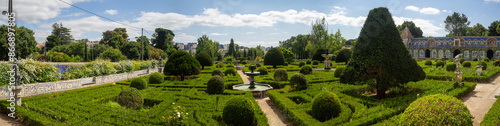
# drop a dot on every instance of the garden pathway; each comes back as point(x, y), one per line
point(480, 100)
point(274, 116)
point(8, 121)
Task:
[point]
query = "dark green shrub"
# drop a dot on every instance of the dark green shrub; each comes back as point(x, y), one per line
point(306, 70)
point(475, 59)
point(326, 105)
point(183, 64)
point(156, 78)
point(230, 71)
point(215, 85)
point(439, 63)
point(484, 65)
point(113, 54)
point(343, 55)
point(496, 63)
point(315, 62)
point(308, 62)
point(435, 110)
point(262, 70)
point(298, 82)
point(301, 64)
point(467, 64)
point(280, 75)
point(338, 71)
point(317, 55)
point(274, 57)
point(428, 62)
point(257, 65)
point(230, 66)
point(486, 59)
point(204, 59)
point(130, 98)
point(239, 112)
point(220, 65)
point(451, 67)
point(244, 62)
point(462, 60)
point(217, 72)
point(139, 83)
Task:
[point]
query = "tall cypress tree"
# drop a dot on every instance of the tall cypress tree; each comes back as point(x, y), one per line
point(380, 55)
point(231, 51)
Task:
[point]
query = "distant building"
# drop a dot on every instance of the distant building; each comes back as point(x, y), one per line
point(191, 46)
point(221, 46)
point(180, 45)
point(91, 44)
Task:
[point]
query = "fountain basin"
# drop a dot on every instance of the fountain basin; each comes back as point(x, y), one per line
point(255, 73)
point(259, 90)
point(238, 67)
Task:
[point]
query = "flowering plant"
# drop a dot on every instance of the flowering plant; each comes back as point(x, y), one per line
point(176, 116)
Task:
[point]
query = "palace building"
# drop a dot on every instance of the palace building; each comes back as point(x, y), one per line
point(449, 47)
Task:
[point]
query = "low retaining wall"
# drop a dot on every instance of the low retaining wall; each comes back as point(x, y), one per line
point(57, 86)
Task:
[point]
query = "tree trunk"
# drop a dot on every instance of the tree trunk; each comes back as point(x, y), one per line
point(202, 67)
point(380, 90)
point(182, 77)
point(274, 66)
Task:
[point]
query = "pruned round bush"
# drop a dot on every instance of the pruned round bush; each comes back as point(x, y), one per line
point(183, 64)
point(258, 65)
point(475, 59)
point(496, 63)
point(230, 66)
point(156, 78)
point(130, 98)
point(205, 59)
point(462, 60)
point(217, 72)
point(428, 62)
point(301, 64)
point(467, 64)
point(343, 55)
point(280, 75)
point(338, 71)
point(326, 105)
point(262, 70)
point(230, 71)
point(274, 57)
point(484, 65)
point(239, 111)
point(139, 83)
point(298, 82)
point(306, 70)
point(317, 55)
point(439, 63)
point(486, 59)
point(308, 62)
point(436, 110)
point(215, 85)
point(315, 62)
point(451, 67)
point(220, 65)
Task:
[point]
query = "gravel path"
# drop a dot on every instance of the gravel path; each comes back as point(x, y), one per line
point(274, 116)
point(8, 121)
point(480, 100)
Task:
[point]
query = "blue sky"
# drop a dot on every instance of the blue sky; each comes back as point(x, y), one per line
point(249, 22)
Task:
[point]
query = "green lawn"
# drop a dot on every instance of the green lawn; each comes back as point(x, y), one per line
point(469, 73)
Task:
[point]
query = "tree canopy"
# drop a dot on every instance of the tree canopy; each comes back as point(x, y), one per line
point(381, 56)
point(63, 33)
point(456, 24)
point(163, 39)
point(492, 29)
point(205, 44)
point(415, 31)
point(25, 42)
point(181, 63)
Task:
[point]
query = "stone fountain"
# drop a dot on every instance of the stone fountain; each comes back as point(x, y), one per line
point(327, 59)
point(256, 89)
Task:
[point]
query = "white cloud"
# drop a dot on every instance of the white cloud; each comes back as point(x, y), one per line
point(426, 25)
point(498, 1)
point(35, 11)
point(446, 11)
point(427, 10)
point(250, 32)
point(218, 34)
point(183, 37)
point(111, 12)
point(74, 15)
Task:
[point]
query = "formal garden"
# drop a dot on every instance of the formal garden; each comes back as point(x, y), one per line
point(377, 82)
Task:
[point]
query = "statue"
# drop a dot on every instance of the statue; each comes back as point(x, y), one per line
point(457, 61)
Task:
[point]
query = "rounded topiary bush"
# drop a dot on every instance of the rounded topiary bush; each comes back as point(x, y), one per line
point(306, 70)
point(467, 64)
point(139, 83)
point(462, 60)
point(204, 59)
point(484, 65)
point(301, 64)
point(435, 110)
point(496, 63)
point(156, 78)
point(274, 57)
point(315, 62)
point(230, 71)
point(217, 72)
point(298, 82)
point(338, 71)
point(215, 85)
point(486, 59)
point(308, 62)
point(258, 65)
point(239, 112)
point(439, 63)
point(317, 55)
point(130, 98)
point(280, 75)
point(475, 59)
point(262, 70)
point(428, 62)
point(220, 65)
point(343, 55)
point(451, 67)
point(326, 105)
point(230, 66)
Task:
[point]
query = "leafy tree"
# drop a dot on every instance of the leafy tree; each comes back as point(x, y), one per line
point(317, 55)
point(204, 59)
point(113, 54)
point(380, 55)
point(25, 42)
point(156, 53)
point(274, 57)
point(231, 50)
point(98, 49)
point(298, 46)
point(181, 63)
point(52, 41)
point(122, 32)
point(63, 33)
point(415, 31)
point(479, 30)
point(108, 35)
point(133, 51)
point(162, 39)
point(456, 24)
point(74, 48)
point(288, 55)
point(207, 45)
point(492, 29)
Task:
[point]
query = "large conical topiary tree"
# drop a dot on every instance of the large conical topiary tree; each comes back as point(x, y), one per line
point(182, 63)
point(381, 56)
point(274, 57)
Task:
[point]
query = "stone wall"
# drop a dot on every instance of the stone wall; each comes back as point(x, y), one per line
point(57, 86)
